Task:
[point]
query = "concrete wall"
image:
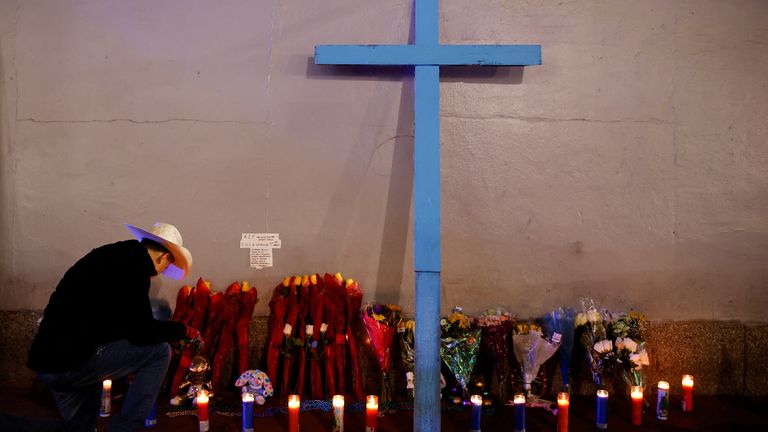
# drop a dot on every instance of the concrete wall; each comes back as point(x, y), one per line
point(631, 166)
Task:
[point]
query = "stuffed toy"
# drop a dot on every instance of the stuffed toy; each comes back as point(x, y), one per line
point(195, 382)
point(257, 383)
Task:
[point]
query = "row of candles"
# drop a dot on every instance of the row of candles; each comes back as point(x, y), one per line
point(564, 402)
point(371, 413)
point(294, 404)
point(476, 401)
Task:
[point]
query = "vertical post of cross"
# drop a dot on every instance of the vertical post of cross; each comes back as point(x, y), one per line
point(426, 233)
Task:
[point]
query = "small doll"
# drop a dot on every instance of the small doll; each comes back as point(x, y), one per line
point(257, 383)
point(195, 381)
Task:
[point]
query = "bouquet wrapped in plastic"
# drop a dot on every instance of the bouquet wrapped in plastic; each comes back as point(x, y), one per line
point(562, 322)
point(291, 342)
point(532, 349)
point(315, 333)
point(459, 345)
point(224, 351)
point(406, 336)
point(628, 334)
point(334, 289)
point(305, 336)
point(495, 325)
point(380, 322)
point(592, 332)
point(354, 299)
point(278, 307)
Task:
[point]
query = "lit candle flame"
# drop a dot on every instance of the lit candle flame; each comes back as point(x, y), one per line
point(663, 385)
point(372, 402)
point(602, 393)
point(338, 401)
point(202, 397)
point(563, 398)
point(637, 392)
point(294, 401)
point(476, 399)
point(687, 380)
point(247, 397)
point(519, 398)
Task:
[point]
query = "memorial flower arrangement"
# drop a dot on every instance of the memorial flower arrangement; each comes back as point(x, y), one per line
point(628, 333)
point(315, 332)
point(223, 320)
point(311, 325)
point(562, 321)
point(292, 342)
point(459, 344)
point(406, 336)
point(380, 322)
point(591, 329)
point(495, 326)
point(354, 300)
point(531, 350)
point(278, 306)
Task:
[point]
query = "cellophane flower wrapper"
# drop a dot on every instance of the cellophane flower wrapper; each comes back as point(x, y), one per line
point(562, 322)
point(592, 333)
point(380, 322)
point(278, 307)
point(495, 325)
point(406, 337)
point(531, 351)
point(628, 335)
point(459, 353)
point(354, 301)
point(459, 345)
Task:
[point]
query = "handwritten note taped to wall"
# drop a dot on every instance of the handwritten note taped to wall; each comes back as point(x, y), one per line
point(261, 246)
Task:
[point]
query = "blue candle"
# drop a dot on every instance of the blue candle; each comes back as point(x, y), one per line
point(151, 421)
point(519, 412)
point(247, 412)
point(477, 404)
point(602, 409)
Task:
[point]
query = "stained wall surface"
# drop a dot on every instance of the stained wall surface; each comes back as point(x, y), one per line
point(631, 166)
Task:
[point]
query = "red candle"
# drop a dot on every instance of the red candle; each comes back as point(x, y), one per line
point(293, 413)
point(687, 393)
point(371, 412)
point(202, 410)
point(637, 405)
point(563, 403)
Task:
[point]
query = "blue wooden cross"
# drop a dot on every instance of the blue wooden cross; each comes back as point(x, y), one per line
point(427, 55)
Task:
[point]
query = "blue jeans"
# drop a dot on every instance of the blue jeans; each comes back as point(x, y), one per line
point(78, 393)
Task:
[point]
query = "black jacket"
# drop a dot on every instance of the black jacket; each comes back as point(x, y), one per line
point(102, 298)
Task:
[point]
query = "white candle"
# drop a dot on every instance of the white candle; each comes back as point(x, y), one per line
point(338, 413)
point(106, 398)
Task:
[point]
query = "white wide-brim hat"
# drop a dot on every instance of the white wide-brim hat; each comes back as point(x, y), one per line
point(168, 236)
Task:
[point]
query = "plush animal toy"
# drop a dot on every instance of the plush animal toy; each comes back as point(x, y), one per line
point(195, 381)
point(257, 383)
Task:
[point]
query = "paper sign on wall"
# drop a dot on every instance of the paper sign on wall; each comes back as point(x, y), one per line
point(261, 246)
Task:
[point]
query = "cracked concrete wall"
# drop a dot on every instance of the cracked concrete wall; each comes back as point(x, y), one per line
point(631, 166)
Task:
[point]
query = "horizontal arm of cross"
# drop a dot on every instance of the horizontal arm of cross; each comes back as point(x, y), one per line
point(429, 55)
